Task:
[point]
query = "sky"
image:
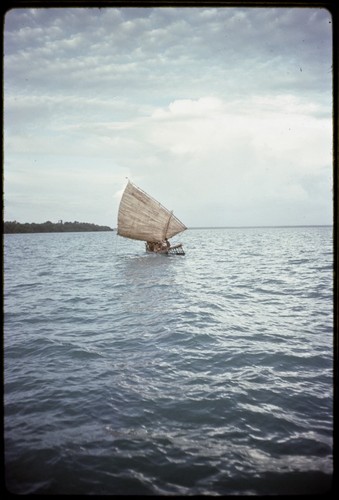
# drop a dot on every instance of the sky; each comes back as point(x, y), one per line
point(224, 115)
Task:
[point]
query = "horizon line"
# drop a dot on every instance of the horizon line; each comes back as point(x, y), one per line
point(260, 226)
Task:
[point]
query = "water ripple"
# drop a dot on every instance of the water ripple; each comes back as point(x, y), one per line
point(210, 374)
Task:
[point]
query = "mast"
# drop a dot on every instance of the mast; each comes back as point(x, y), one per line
point(167, 225)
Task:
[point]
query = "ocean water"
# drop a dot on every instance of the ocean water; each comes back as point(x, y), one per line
point(134, 374)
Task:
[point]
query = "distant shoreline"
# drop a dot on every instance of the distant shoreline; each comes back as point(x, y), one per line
point(14, 227)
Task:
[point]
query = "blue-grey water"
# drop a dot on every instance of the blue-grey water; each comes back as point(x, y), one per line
point(134, 374)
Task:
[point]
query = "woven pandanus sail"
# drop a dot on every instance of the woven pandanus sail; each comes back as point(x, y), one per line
point(141, 217)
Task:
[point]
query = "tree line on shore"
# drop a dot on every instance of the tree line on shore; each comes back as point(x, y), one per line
point(51, 227)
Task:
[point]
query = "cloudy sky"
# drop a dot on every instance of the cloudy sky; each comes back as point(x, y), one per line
point(224, 115)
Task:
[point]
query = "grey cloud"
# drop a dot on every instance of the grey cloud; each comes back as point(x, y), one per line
point(149, 47)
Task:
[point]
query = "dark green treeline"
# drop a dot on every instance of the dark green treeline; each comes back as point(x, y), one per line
point(51, 227)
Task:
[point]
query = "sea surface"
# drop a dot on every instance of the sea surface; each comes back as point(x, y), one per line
point(127, 373)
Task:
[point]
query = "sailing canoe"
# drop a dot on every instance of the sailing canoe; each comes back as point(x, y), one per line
point(141, 217)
